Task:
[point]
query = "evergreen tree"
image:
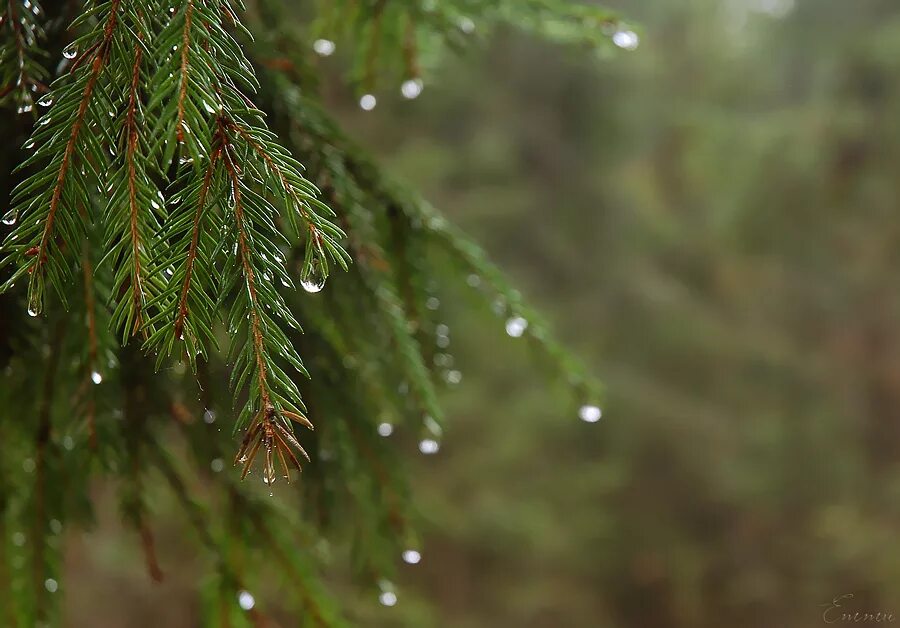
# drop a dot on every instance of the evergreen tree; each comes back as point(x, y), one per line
point(178, 177)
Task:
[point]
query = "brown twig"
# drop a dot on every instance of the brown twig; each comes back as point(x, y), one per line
point(182, 90)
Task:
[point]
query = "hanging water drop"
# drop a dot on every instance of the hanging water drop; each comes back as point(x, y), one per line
point(246, 601)
point(411, 88)
point(10, 218)
point(516, 326)
point(411, 557)
point(324, 47)
point(313, 280)
point(367, 102)
point(589, 413)
point(70, 51)
point(385, 429)
point(32, 311)
point(96, 377)
point(387, 596)
point(429, 446)
point(46, 100)
point(466, 25)
point(627, 40)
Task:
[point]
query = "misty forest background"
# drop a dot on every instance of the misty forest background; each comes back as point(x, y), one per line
point(713, 222)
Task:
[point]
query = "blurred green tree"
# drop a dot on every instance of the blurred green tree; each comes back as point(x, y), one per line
point(715, 220)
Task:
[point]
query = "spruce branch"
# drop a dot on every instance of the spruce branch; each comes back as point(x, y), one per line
point(48, 202)
point(21, 71)
point(133, 211)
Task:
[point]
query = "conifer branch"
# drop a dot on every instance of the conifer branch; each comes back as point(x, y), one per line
point(21, 71)
point(256, 331)
point(138, 290)
point(100, 57)
point(194, 247)
point(46, 202)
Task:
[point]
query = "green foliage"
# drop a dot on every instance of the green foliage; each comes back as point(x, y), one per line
point(183, 178)
point(21, 56)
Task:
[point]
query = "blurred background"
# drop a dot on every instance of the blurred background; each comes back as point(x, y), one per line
point(712, 222)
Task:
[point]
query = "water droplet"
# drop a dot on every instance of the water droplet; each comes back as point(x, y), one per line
point(429, 446)
point(245, 600)
point(217, 465)
point(466, 25)
point(209, 416)
point(412, 557)
point(387, 596)
point(411, 88)
point(473, 280)
point(627, 40)
point(46, 100)
point(28, 465)
point(70, 51)
point(313, 281)
point(33, 311)
point(324, 47)
point(10, 218)
point(28, 145)
point(516, 326)
point(433, 303)
point(385, 429)
point(453, 377)
point(55, 526)
point(18, 539)
point(367, 102)
point(51, 585)
point(96, 377)
point(589, 413)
